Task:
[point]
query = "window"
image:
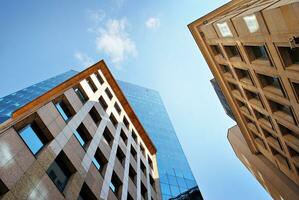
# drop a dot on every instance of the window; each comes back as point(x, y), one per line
point(3, 188)
point(133, 152)
point(123, 136)
point(150, 162)
point(132, 174)
point(117, 108)
point(244, 76)
point(143, 191)
point(126, 122)
point(263, 119)
point(289, 135)
point(254, 98)
point(35, 135)
point(64, 108)
point(226, 70)
point(134, 136)
point(129, 197)
point(257, 53)
point(271, 84)
point(100, 161)
point(289, 56)
point(108, 137)
point(152, 182)
point(232, 51)
point(252, 23)
point(95, 116)
point(109, 94)
point(115, 185)
point(60, 171)
point(99, 77)
point(113, 120)
point(142, 150)
point(235, 89)
point(142, 167)
point(283, 111)
point(91, 84)
point(103, 103)
point(224, 29)
point(81, 94)
point(216, 50)
point(82, 135)
point(295, 86)
point(120, 156)
point(86, 193)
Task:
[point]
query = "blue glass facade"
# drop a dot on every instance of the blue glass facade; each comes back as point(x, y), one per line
point(12, 102)
point(175, 174)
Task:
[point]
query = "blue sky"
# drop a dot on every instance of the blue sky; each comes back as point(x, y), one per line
point(143, 42)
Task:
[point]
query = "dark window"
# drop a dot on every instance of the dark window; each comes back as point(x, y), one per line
point(142, 150)
point(134, 136)
point(263, 118)
point(82, 135)
point(216, 50)
point(234, 88)
point(152, 182)
point(86, 193)
point(288, 132)
point(129, 197)
point(100, 161)
point(113, 120)
point(133, 152)
point(115, 185)
point(108, 137)
point(142, 167)
point(103, 103)
point(296, 89)
point(272, 84)
point(117, 108)
point(126, 122)
point(244, 75)
point(95, 116)
point(35, 135)
point(123, 136)
point(99, 77)
point(284, 111)
point(3, 188)
point(254, 98)
point(132, 174)
point(120, 156)
point(91, 84)
point(65, 109)
point(109, 94)
point(60, 171)
point(81, 94)
point(259, 52)
point(150, 162)
point(289, 56)
point(143, 191)
point(232, 51)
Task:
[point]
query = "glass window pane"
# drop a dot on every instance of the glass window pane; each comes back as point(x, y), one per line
point(31, 139)
point(79, 138)
point(61, 111)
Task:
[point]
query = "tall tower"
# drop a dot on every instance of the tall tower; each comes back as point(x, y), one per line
point(252, 49)
point(176, 178)
point(75, 136)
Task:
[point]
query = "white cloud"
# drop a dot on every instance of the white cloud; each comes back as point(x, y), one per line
point(84, 59)
point(115, 41)
point(152, 23)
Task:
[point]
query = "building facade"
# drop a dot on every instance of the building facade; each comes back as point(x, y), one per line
point(176, 178)
point(222, 99)
point(252, 49)
point(75, 136)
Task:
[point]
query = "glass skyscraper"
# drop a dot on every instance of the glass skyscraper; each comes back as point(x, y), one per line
point(176, 178)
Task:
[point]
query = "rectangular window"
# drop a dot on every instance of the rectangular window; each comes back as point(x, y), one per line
point(123, 136)
point(86, 193)
point(142, 150)
point(81, 94)
point(109, 94)
point(244, 76)
point(82, 135)
point(117, 108)
point(120, 156)
point(35, 136)
point(132, 174)
point(283, 111)
point(216, 50)
point(115, 185)
point(65, 109)
point(235, 89)
point(224, 29)
point(129, 197)
point(126, 122)
point(100, 79)
point(143, 191)
point(150, 162)
point(290, 57)
point(3, 188)
point(113, 120)
point(254, 98)
point(108, 137)
point(295, 86)
point(133, 152)
point(134, 136)
point(271, 84)
point(263, 119)
point(103, 103)
point(232, 51)
point(258, 53)
point(226, 70)
point(60, 171)
point(289, 135)
point(95, 116)
point(142, 167)
point(91, 84)
point(100, 161)
point(152, 182)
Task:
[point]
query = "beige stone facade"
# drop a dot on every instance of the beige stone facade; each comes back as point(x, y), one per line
point(252, 49)
point(97, 142)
